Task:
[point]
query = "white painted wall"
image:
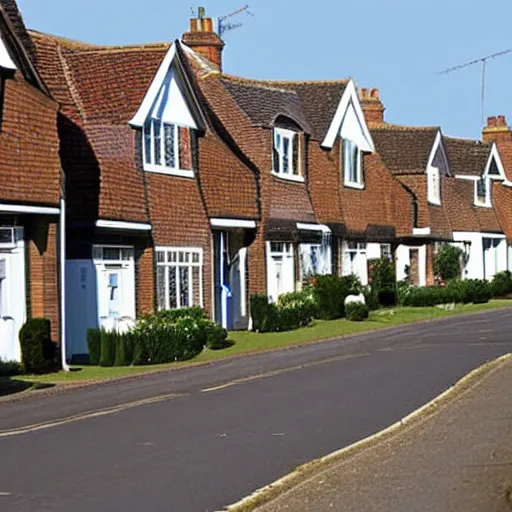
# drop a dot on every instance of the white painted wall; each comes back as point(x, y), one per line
point(373, 251)
point(14, 311)
point(403, 259)
point(483, 264)
point(280, 272)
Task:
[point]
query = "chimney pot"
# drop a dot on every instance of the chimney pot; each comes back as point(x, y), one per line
point(491, 121)
point(364, 93)
point(500, 121)
point(375, 94)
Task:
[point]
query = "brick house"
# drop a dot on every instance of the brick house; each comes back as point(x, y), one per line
point(31, 199)
point(498, 132)
point(470, 199)
point(161, 209)
point(417, 158)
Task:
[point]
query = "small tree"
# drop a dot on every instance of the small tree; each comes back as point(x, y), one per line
point(448, 262)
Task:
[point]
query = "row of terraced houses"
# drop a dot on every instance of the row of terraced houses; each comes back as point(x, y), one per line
point(139, 178)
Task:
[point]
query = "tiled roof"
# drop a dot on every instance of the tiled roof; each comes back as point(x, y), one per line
point(466, 156)
point(404, 149)
point(263, 102)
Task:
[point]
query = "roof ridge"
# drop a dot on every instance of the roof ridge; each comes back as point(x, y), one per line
point(93, 47)
point(258, 81)
point(400, 127)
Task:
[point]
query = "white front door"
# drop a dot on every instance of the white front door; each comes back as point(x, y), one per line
point(12, 302)
point(115, 274)
point(281, 269)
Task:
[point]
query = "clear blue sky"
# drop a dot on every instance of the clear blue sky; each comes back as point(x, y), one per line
point(395, 45)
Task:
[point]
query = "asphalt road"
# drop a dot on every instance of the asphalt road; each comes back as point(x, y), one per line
point(210, 446)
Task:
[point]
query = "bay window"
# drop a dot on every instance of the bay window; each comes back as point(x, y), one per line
point(179, 277)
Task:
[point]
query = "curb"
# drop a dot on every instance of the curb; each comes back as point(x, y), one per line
point(275, 489)
point(63, 388)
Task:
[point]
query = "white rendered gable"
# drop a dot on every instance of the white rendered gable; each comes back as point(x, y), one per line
point(166, 97)
point(438, 158)
point(349, 122)
point(495, 156)
point(5, 59)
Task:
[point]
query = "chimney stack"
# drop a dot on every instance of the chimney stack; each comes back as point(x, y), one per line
point(203, 39)
point(372, 106)
point(496, 130)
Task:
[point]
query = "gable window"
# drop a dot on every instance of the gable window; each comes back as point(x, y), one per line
point(352, 164)
point(179, 277)
point(434, 186)
point(164, 148)
point(483, 192)
point(286, 154)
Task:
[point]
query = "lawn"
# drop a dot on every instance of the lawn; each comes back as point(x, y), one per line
point(246, 342)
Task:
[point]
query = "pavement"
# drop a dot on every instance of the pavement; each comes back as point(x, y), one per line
point(458, 459)
point(202, 438)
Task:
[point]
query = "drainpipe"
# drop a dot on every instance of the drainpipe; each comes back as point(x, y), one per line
point(62, 224)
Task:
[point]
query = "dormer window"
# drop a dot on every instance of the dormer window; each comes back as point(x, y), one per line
point(483, 192)
point(434, 185)
point(352, 164)
point(286, 154)
point(164, 151)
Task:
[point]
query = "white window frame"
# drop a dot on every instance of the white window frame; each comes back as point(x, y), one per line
point(349, 180)
point(162, 168)
point(486, 202)
point(292, 174)
point(192, 251)
point(434, 185)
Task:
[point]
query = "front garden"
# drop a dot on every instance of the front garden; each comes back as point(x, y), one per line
point(327, 307)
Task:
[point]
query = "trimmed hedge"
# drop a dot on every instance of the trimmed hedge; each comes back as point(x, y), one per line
point(476, 291)
point(501, 285)
point(10, 368)
point(94, 345)
point(216, 337)
point(330, 292)
point(108, 348)
point(383, 283)
point(292, 311)
point(356, 311)
point(37, 348)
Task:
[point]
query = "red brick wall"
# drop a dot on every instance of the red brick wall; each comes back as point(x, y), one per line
point(41, 238)
point(145, 282)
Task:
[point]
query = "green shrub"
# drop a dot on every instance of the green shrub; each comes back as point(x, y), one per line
point(108, 348)
point(37, 348)
point(356, 311)
point(94, 345)
point(501, 285)
point(370, 298)
point(478, 291)
point(448, 262)
point(124, 349)
point(295, 310)
point(10, 368)
point(330, 292)
point(167, 336)
point(216, 337)
point(260, 306)
point(403, 289)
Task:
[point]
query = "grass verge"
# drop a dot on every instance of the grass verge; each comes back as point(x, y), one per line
point(247, 342)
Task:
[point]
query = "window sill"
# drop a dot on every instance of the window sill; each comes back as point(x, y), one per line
point(297, 179)
point(434, 203)
point(353, 184)
point(483, 205)
point(182, 173)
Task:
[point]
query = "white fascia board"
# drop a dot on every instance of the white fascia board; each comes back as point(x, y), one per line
point(128, 226)
point(468, 178)
point(232, 223)
point(421, 231)
point(150, 97)
point(473, 234)
point(438, 145)
point(313, 227)
point(349, 97)
point(496, 155)
point(5, 59)
point(36, 210)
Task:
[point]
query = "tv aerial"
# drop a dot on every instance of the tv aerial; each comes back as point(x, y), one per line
point(224, 26)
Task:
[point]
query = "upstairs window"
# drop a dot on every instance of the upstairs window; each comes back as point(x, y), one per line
point(483, 192)
point(286, 162)
point(434, 186)
point(352, 164)
point(167, 148)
